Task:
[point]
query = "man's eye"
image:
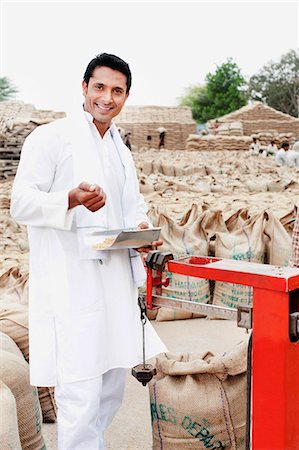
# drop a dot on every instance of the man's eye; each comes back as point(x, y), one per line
point(118, 91)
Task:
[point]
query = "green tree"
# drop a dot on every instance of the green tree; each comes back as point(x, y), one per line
point(223, 93)
point(195, 96)
point(277, 84)
point(7, 89)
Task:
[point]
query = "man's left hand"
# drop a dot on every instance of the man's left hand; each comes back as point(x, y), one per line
point(144, 226)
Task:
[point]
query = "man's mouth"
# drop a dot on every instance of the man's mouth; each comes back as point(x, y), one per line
point(104, 108)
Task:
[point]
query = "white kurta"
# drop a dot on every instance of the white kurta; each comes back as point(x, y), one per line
point(281, 157)
point(83, 314)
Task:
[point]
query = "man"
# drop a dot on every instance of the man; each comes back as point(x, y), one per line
point(271, 150)
point(254, 148)
point(84, 323)
point(281, 155)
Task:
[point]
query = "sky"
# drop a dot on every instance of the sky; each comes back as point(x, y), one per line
point(46, 46)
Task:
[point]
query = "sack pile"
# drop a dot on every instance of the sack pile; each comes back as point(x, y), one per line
point(230, 129)
point(17, 121)
point(217, 143)
point(261, 238)
point(266, 137)
point(144, 122)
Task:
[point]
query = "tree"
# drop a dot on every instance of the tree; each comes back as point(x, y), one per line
point(277, 84)
point(7, 89)
point(223, 93)
point(195, 96)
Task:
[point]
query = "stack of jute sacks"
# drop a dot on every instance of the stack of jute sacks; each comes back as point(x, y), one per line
point(236, 130)
point(230, 129)
point(260, 117)
point(17, 121)
point(144, 123)
point(265, 137)
point(261, 238)
point(217, 143)
point(206, 172)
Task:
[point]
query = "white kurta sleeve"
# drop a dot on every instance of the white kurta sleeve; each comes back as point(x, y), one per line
point(33, 200)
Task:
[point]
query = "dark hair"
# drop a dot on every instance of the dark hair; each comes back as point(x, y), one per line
point(111, 61)
point(285, 145)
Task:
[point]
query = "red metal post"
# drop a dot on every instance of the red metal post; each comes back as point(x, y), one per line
point(275, 374)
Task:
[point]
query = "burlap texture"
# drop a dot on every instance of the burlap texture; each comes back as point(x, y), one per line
point(278, 241)
point(183, 240)
point(14, 372)
point(9, 432)
point(14, 323)
point(245, 244)
point(199, 401)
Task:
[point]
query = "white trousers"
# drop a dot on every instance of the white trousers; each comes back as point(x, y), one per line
point(86, 408)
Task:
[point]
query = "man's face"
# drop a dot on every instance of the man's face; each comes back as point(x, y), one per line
point(105, 95)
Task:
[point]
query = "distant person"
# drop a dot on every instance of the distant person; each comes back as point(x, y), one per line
point(293, 155)
point(271, 150)
point(215, 126)
point(162, 132)
point(255, 147)
point(281, 155)
point(127, 140)
point(296, 146)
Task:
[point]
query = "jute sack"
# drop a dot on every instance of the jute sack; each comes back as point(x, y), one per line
point(199, 401)
point(288, 220)
point(212, 222)
point(14, 323)
point(278, 241)
point(9, 432)
point(237, 220)
point(246, 244)
point(14, 372)
point(190, 216)
point(12, 285)
point(183, 241)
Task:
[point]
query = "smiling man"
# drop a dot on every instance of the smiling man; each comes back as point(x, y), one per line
point(84, 323)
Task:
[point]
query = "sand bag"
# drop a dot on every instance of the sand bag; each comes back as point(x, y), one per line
point(278, 241)
point(288, 220)
point(237, 220)
point(199, 401)
point(212, 222)
point(9, 432)
point(183, 241)
point(14, 323)
point(246, 244)
point(12, 285)
point(14, 372)
point(190, 216)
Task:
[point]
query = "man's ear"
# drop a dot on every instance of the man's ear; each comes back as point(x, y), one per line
point(84, 88)
point(127, 95)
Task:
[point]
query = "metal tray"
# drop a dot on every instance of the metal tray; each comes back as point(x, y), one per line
point(118, 239)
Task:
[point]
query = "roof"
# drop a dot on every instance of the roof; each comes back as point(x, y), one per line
point(157, 114)
point(256, 111)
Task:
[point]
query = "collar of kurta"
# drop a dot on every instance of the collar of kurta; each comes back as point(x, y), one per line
point(88, 165)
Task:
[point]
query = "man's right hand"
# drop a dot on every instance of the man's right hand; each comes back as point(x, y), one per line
point(91, 196)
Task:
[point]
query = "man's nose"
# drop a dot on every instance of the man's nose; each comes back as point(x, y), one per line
point(107, 96)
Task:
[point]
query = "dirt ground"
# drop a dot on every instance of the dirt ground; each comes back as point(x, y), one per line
point(131, 427)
